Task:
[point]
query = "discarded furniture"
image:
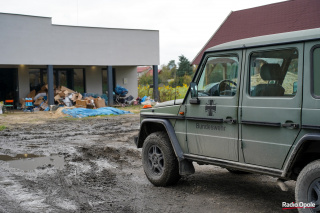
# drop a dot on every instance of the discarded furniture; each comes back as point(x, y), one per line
point(8, 106)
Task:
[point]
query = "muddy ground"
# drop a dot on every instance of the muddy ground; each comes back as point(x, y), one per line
point(102, 172)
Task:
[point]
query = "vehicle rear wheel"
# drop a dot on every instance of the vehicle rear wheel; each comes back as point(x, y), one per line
point(159, 161)
point(308, 186)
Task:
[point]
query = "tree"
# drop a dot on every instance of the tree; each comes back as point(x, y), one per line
point(184, 67)
point(172, 64)
point(146, 80)
point(165, 74)
point(187, 79)
point(173, 68)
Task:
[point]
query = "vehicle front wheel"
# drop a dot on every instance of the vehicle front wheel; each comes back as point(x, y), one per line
point(308, 186)
point(159, 161)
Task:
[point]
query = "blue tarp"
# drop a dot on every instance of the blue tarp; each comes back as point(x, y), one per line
point(144, 99)
point(82, 112)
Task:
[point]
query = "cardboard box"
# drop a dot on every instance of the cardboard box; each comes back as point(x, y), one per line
point(63, 94)
point(76, 96)
point(99, 102)
point(67, 89)
point(57, 97)
point(81, 103)
point(23, 104)
point(32, 94)
point(44, 106)
point(38, 101)
point(89, 98)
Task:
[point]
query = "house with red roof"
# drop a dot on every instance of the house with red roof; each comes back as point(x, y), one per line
point(148, 70)
point(143, 70)
point(287, 16)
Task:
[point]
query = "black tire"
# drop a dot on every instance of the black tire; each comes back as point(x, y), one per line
point(159, 161)
point(308, 186)
point(238, 172)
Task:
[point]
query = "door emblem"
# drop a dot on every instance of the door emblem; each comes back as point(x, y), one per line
point(210, 107)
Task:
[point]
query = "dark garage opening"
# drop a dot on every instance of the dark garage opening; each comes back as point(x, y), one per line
point(9, 84)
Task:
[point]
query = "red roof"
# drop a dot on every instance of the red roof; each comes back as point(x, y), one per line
point(275, 18)
point(141, 69)
point(145, 68)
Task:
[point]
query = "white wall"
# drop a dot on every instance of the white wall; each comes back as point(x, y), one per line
point(130, 74)
point(94, 80)
point(34, 40)
point(24, 81)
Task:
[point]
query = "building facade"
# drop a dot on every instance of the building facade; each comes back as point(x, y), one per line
point(35, 52)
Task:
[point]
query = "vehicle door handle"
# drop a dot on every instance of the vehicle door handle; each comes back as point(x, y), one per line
point(229, 120)
point(290, 125)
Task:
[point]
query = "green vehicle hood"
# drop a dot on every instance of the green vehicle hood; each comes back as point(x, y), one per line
point(169, 103)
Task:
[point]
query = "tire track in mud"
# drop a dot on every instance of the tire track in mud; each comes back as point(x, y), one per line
point(87, 175)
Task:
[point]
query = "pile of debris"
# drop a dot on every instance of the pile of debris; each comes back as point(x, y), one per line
point(63, 96)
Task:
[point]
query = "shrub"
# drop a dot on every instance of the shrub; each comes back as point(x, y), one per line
point(2, 128)
point(166, 92)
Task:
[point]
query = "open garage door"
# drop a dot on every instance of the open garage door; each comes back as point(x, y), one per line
point(9, 84)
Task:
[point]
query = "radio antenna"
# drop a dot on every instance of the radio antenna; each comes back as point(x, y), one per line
point(175, 84)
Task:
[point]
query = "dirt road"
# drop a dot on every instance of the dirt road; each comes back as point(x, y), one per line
point(91, 165)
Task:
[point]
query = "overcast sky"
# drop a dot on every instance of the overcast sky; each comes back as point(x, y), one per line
point(185, 25)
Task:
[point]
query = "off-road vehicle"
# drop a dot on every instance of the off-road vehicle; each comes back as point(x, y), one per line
point(252, 106)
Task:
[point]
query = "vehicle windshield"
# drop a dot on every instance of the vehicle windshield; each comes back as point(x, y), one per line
point(219, 76)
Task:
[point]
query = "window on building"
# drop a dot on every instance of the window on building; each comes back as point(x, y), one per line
point(70, 78)
point(79, 83)
point(316, 71)
point(274, 73)
point(63, 78)
point(37, 78)
point(219, 77)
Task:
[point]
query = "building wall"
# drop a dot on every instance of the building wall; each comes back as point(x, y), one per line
point(36, 41)
point(24, 84)
point(94, 79)
point(127, 78)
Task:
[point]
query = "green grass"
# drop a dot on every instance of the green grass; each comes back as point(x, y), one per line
point(2, 127)
point(134, 109)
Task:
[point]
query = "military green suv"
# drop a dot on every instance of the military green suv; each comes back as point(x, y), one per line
point(252, 106)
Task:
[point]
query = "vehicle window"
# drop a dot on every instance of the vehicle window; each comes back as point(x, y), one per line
point(274, 73)
point(316, 72)
point(219, 76)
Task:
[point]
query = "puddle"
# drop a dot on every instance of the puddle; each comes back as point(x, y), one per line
point(27, 162)
point(18, 157)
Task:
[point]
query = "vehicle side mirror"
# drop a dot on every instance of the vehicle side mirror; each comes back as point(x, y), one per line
point(194, 90)
point(194, 93)
point(295, 87)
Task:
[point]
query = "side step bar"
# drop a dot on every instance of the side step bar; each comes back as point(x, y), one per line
point(234, 165)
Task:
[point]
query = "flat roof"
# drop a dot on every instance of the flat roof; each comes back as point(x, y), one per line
point(64, 25)
point(280, 38)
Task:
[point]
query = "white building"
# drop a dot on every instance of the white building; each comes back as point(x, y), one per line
point(33, 52)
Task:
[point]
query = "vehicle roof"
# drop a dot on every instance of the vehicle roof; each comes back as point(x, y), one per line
point(289, 37)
